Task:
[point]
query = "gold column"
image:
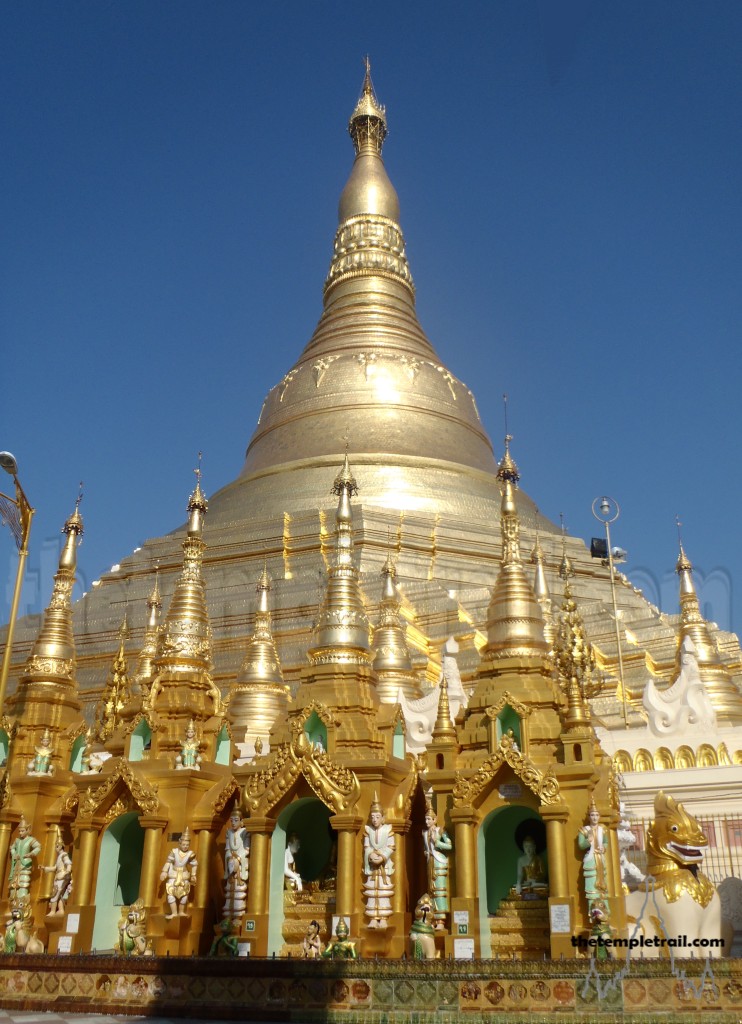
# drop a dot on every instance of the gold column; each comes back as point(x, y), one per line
point(399, 900)
point(205, 843)
point(615, 863)
point(466, 861)
point(49, 858)
point(557, 854)
point(84, 865)
point(260, 844)
point(150, 864)
point(346, 894)
point(6, 828)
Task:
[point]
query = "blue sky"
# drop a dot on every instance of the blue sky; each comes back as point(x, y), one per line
point(569, 182)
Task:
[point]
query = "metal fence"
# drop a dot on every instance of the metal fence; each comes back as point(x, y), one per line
point(723, 856)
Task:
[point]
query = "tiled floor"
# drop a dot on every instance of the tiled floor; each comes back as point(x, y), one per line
point(34, 1017)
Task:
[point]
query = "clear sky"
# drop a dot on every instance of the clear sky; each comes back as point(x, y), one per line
point(569, 177)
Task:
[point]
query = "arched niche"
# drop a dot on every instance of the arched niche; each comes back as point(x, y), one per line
point(497, 856)
point(4, 747)
point(622, 761)
point(141, 741)
point(316, 857)
point(508, 719)
point(78, 749)
point(223, 752)
point(398, 741)
point(117, 881)
point(316, 730)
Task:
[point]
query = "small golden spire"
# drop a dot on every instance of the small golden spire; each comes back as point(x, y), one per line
point(184, 642)
point(146, 662)
point(574, 661)
point(515, 623)
point(342, 629)
point(444, 731)
point(541, 590)
point(53, 653)
point(566, 569)
point(724, 694)
point(260, 695)
point(392, 663)
point(117, 692)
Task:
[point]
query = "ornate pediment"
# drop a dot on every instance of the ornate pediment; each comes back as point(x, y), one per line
point(506, 698)
point(337, 787)
point(99, 799)
point(542, 784)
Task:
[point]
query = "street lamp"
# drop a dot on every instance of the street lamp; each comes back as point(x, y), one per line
point(607, 511)
point(16, 513)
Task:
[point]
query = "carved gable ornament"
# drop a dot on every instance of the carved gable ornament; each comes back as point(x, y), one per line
point(123, 790)
point(542, 784)
point(337, 787)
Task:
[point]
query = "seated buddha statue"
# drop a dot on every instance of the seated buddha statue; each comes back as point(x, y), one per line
point(531, 871)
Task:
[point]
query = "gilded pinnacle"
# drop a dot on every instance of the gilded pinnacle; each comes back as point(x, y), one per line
point(515, 623)
point(444, 731)
point(342, 629)
point(184, 641)
point(367, 125)
point(392, 663)
point(574, 660)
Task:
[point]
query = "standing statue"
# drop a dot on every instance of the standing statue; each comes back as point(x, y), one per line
point(62, 886)
point(179, 873)
point(437, 846)
point(292, 876)
point(378, 867)
point(22, 852)
point(340, 947)
point(593, 838)
point(189, 756)
point(531, 873)
point(236, 867)
point(41, 762)
point(312, 944)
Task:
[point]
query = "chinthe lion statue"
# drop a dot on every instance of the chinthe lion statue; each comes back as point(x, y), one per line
point(677, 902)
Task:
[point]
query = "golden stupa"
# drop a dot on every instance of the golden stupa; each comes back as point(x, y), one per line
point(454, 660)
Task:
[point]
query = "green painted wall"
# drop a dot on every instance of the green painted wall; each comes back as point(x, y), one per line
point(309, 818)
point(119, 870)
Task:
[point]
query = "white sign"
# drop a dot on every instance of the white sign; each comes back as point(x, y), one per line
point(243, 949)
point(463, 949)
point(64, 945)
point(560, 921)
point(73, 923)
point(461, 917)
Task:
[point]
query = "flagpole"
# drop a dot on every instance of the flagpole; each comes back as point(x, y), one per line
point(25, 515)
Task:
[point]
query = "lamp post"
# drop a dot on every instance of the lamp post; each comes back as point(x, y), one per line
point(607, 511)
point(17, 514)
